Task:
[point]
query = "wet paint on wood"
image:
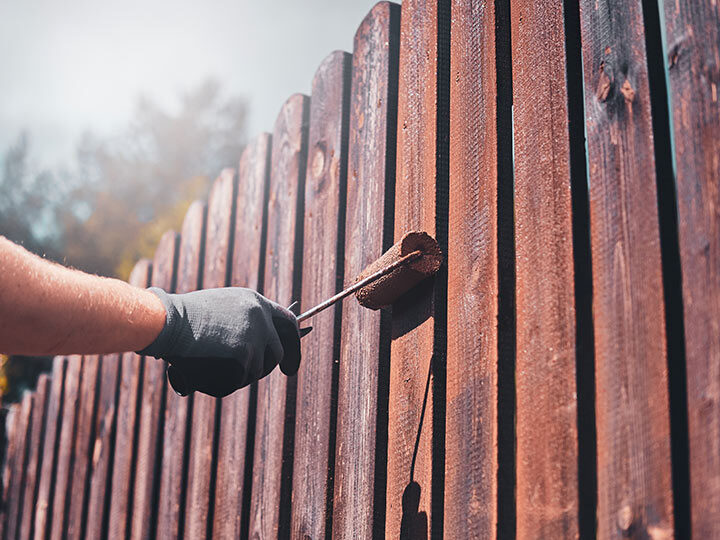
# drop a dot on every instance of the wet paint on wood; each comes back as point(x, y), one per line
point(361, 436)
point(693, 68)
point(272, 462)
point(415, 468)
point(43, 507)
point(231, 499)
point(633, 428)
point(201, 474)
point(123, 479)
point(178, 410)
point(34, 464)
point(471, 459)
point(325, 186)
point(147, 472)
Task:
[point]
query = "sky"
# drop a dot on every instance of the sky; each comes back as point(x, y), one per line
point(77, 65)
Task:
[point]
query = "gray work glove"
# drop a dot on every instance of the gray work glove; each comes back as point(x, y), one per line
point(219, 340)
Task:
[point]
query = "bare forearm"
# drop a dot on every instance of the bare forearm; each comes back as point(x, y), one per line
point(48, 309)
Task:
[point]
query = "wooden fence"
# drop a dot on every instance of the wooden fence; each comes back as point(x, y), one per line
point(560, 376)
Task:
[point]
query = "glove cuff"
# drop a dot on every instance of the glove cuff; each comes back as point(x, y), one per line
point(164, 342)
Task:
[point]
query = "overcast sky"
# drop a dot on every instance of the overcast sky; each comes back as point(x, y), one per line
point(80, 64)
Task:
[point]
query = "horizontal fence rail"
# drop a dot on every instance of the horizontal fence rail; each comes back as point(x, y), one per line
point(558, 378)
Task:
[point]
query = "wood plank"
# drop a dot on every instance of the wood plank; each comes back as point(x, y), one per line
point(234, 453)
point(417, 363)
point(693, 39)
point(84, 443)
point(35, 444)
point(53, 424)
point(18, 471)
point(471, 459)
point(633, 428)
point(272, 462)
point(201, 474)
point(147, 471)
point(66, 448)
point(324, 230)
point(123, 479)
point(546, 402)
point(173, 473)
point(12, 426)
point(103, 446)
point(361, 440)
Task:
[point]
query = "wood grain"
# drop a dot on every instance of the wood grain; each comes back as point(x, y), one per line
point(123, 478)
point(66, 447)
point(361, 439)
point(417, 364)
point(154, 388)
point(202, 439)
point(633, 428)
point(325, 186)
point(9, 460)
point(233, 456)
point(178, 410)
point(16, 479)
point(83, 442)
point(471, 459)
point(34, 464)
point(546, 402)
point(272, 462)
point(43, 507)
point(693, 64)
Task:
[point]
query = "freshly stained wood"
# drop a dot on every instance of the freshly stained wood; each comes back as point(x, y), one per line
point(693, 62)
point(471, 459)
point(35, 445)
point(253, 175)
point(43, 508)
point(325, 186)
point(173, 472)
point(633, 428)
point(17, 466)
point(202, 438)
point(127, 413)
point(66, 447)
point(417, 363)
point(150, 430)
point(361, 440)
point(546, 402)
point(83, 446)
point(272, 462)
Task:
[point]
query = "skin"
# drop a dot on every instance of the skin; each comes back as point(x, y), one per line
point(47, 309)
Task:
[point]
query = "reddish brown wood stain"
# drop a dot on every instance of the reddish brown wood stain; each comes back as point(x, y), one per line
point(633, 428)
point(286, 184)
point(14, 480)
point(693, 40)
point(471, 439)
point(172, 473)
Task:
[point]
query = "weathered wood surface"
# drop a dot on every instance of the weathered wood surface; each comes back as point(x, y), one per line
point(201, 472)
point(325, 186)
point(154, 387)
point(123, 479)
point(361, 435)
point(235, 438)
point(17, 462)
point(472, 341)
point(178, 410)
point(633, 429)
point(43, 507)
point(34, 463)
point(546, 403)
point(415, 466)
point(693, 64)
point(79, 475)
point(272, 462)
point(9, 465)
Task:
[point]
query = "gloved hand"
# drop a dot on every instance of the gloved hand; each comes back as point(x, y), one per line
point(219, 340)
